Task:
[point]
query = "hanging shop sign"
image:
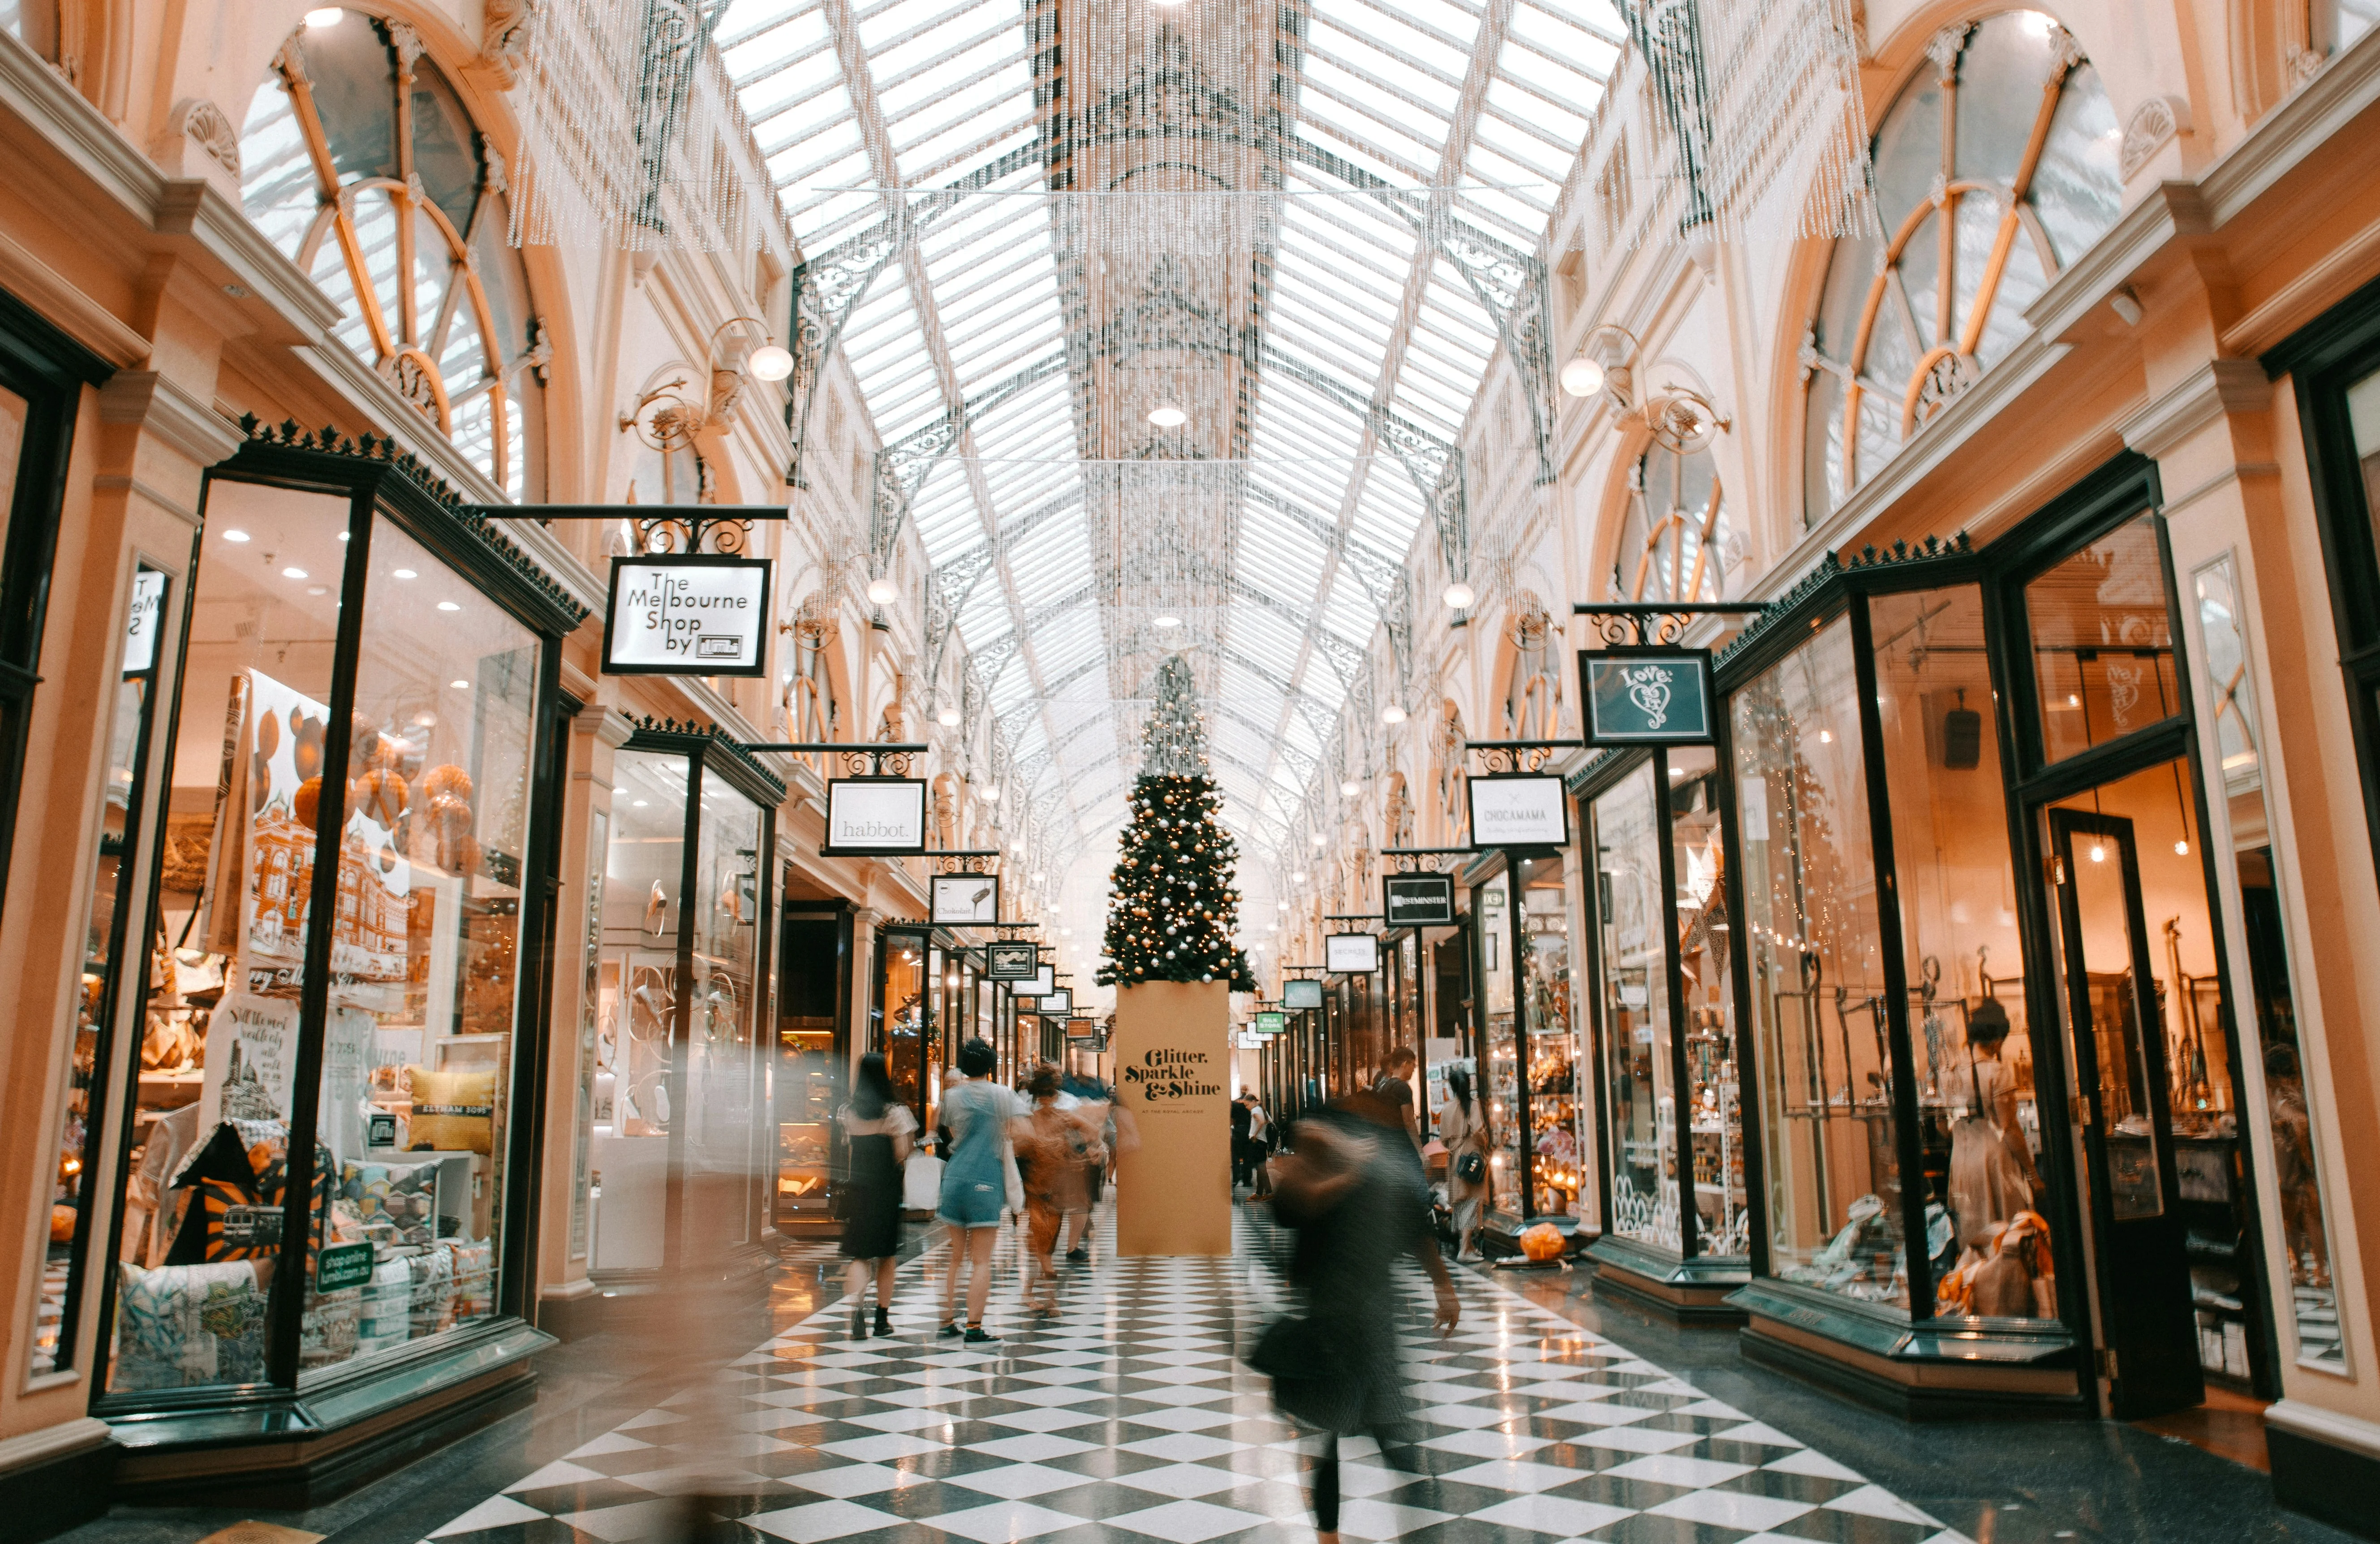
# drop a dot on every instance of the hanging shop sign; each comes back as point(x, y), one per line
point(965, 901)
point(1350, 954)
point(874, 817)
point(1011, 961)
point(688, 614)
point(1059, 1003)
point(140, 627)
point(1042, 983)
point(1270, 1022)
point(1417, 900)
point(1082, 1028)
point(1645, 696)
point(1302, 993)
point(1523, 809)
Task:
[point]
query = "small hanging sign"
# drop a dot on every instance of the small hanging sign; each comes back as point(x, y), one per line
point(965, 901)
point(1082, 1028)
point(687, 614)
point(1042, 983)
point(1519, 809)
point(1270, 1022)
point(1302, 993)
point(1011, 961)
point(1059, 1003)
point(1417, 900)
point(1645, 696)
point(874, 817)
point(1350, 954)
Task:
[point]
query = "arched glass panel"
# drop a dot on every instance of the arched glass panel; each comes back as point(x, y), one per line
point(1995, 169)
point(363, 167)
point(1675, 544)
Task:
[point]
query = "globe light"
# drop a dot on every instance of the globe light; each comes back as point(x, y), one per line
point(771, 362)
point(1392, 714)
point(1459, 596)
point(948, 718)
point(1351, 788)
point(1297, 876)
point(1317, 839)
point(882, 591)
point(1581, 377)
point(1165, 415)
point(1280, 906)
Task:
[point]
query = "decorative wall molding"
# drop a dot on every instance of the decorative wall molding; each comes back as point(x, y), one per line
point(205, 125)
point(161, 408)
point(2219, 387)
point(2155, 125)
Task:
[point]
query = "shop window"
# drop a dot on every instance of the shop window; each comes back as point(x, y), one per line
point(1633, 967)
point(1555, 1127)
point(1995, 169)
point(1712, 1120)
point(1492, 904)
point(1971, 1052)
point(344, 886)
point(2103, 660)
point(1820, 1025)
point(2292, 1155)
point(1675, 540)
point(361, 162)
point(111, 977)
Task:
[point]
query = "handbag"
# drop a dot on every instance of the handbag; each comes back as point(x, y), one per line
point(921, 1182)
point(1310, 1373)
point(1472, 1167)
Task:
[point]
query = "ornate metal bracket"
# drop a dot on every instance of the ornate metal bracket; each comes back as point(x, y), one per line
point(1648, 626)
point(1427, 860)
point(867, 759)
point(663, 528)
point(971, 860)
point(1517, 755)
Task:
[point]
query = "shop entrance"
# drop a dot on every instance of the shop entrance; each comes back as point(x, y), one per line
point(2156, 1116)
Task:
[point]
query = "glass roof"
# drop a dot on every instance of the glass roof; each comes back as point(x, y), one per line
point(1239, 209)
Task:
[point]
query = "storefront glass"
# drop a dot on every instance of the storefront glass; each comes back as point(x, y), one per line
point(1635, 984)
point(901, 1020)
point(643, 889)
point(2103, 642)
point(1492, 906)
point(1555, 1128)
point(1832, 1168)
point(112, 961)
point(1714, 1116)
point(722, 1089)
point(1969, 1033)
point(811, 1050)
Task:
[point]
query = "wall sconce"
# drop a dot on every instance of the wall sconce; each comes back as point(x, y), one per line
point(767, 360)
point(1680, 417)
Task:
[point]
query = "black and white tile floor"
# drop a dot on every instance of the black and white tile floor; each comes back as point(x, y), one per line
point(1132, 1418)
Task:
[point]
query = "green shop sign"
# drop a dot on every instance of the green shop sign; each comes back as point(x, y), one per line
point(342, 1265)
point(1645, 696)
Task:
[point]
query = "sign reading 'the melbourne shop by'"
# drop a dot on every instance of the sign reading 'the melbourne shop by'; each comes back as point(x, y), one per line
point(687, 615)
point(1646, 696)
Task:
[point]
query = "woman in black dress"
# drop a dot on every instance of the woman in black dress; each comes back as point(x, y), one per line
point(877, 1130)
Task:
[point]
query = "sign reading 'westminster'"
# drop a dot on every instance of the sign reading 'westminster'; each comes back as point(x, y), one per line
point(1417, 900)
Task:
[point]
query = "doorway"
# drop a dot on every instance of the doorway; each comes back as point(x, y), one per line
point(2155, 1115)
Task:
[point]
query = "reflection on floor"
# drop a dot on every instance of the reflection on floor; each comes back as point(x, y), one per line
point(2228, 1426)
point(1132, 1416)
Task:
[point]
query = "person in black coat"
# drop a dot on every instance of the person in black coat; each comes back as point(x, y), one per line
point(1240, 1156)
point(879, 1130)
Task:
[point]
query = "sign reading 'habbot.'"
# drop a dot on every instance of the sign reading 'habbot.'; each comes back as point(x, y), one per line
point(687, 615)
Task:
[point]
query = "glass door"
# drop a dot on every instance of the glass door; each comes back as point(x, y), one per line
point(2114, 1007)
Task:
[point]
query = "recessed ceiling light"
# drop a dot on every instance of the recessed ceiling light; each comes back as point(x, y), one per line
point(345, 535)
point(1165, 415)
point(318, 590)
point(293, 573)
point(460, 686)
point(235, 536)
point(1458, 595)
point(638, 804)
point(1167, 621)
point(448, 605)
point(400, 573)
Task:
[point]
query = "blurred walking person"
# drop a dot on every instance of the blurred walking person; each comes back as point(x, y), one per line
point(1462, 1127)
point(979, 1115)
point(877, 1131)
point(1352, 1191)
point(1260, 1147)
point(1057, 1155)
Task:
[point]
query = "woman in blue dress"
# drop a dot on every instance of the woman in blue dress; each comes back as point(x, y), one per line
point(979, 1115)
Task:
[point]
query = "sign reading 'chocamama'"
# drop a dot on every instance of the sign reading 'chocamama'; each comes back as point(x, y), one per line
point(687, 615)
point(1163, 1075)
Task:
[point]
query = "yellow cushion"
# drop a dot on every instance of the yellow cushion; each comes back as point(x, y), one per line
point(453, 1112)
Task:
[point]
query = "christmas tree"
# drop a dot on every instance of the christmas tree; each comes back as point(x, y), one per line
point(1172, 903)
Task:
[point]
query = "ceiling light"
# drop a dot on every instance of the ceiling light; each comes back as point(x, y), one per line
point(947, 718)
point(1165, 415)
point(1826, 737)
point(235, 536)
point(323, 15)
point(400, 573)
point(1297, 876)
point(1167, 621)
point(771, 362)
point(638, 804)
point(1581, 377)
point(1459, 596)
point(1351, 788)
point(1280, 906)
point(2098, 853)
point(1038, 878)
point(293, 573)
point(1317, 839)
point(1392, 714)
point(882, 591)
point(460, 686)
point(2181, 848)
point(448, 605)
point(345, 535)
point(318, 590)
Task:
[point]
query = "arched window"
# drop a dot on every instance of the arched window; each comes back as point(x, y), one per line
point(1674, 541)
point(1995, 169)
point(1533, 686)
point(361, 164)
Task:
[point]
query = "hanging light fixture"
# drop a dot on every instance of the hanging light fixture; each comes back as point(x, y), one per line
point(1168, 620)
point(1582, 376)
point(771, 362)
point(1392, 714)
point(882, 591)
point(1297, 876)
point(1351, 788)
point(1165, 415)
point(948, 718)
point(1459, 596)
point(1317, 839)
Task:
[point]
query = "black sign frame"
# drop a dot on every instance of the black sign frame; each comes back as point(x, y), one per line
point(827, 848)
point(1371, 940)
point(760, 666)
point(1297, 986)
point(1471, 788)
point(1696, 662)
point(1003, 957)
point(1059, 1003)
point(1441, 885)
point(934, 884)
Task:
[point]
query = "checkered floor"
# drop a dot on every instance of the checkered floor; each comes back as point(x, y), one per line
point(1131, 1418)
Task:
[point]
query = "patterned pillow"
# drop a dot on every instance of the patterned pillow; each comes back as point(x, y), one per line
point(398, 1203)
point(453, 1111)
point(183, 1325)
